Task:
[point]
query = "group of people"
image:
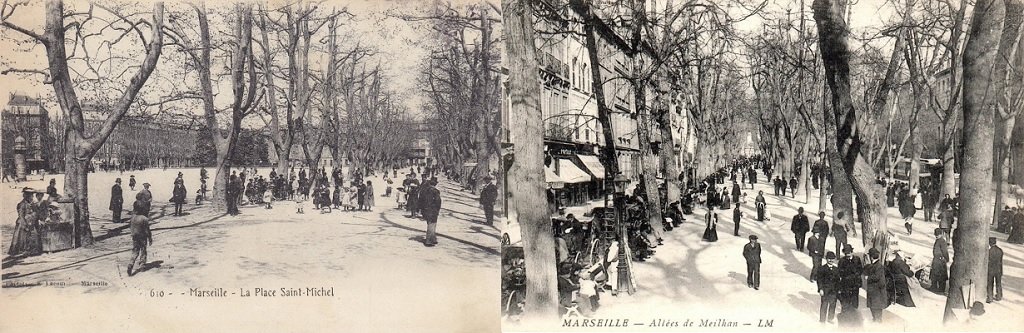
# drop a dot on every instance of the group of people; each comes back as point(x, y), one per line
point(34, 211)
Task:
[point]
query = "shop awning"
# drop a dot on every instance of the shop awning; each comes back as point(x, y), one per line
point(572, 173)
point(551, 177)
point(593, 164)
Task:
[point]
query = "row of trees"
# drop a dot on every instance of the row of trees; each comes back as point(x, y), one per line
point(917, 85)
point(294, 73)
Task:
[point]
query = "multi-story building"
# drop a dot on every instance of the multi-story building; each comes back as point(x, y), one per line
point(139, 142)
point(26, 123)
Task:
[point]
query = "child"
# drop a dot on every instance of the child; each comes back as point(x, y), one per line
point(267, 198)
point(299, 204)
point(141, 236)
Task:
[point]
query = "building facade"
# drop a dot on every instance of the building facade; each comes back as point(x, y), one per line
point(25, 121)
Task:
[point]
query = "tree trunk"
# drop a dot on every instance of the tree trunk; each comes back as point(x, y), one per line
point(835, 54)
point(805, 170)
point(668, 155)
point(76, 186)
point(970, 259)
point(1017, 154)
point(949, 160)
point(527, 188)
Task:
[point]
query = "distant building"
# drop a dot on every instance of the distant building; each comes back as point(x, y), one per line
point(25, 119)
point(141, 143)
point(420, 152)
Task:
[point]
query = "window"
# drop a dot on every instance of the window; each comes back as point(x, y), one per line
point(588, 134)
point(573, 73)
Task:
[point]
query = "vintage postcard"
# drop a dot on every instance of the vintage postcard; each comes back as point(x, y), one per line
point(297, 166)
point(861, 157)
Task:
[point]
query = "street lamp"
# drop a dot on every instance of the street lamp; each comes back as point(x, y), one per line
point(620, 182)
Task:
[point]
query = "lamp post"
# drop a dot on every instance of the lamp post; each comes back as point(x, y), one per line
point(620, 182)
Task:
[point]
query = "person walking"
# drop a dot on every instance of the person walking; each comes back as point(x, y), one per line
point(898, 272)
point(792, 185)
point(821, 228)
point(800, 227)
point(940, 257)
point(752, 255)
point(116, 201)
point(828, 288)
point(736, 192)
point(146, 197)
point(710, 230)
point(142, 237)
point(995, 272)
point(488, 195)
point(737, 215)
point(878, 299)
point(178, 197)
point(760, 204)
point(850, 280)
point(131, 182)
point(430, 207)
point(817, 251)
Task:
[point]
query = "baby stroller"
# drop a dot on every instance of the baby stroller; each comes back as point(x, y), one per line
point(400, 198)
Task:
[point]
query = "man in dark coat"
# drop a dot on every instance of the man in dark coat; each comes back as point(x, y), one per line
point(234, 190)
point(752, 177)
point(430, 207)
point(940, 256)
point(752, 255)
point(737, 215)
point(792, 185)
point(488, 195)
point(735, 192)
point(850, 280)
point(800, 227)
point(878, 299)
point(816, 251)
point(995, 272)
point(828, 288)
point(146, 197)
point(116, 201)
point(775, 185)
point(760, 204)
point(899, 289)
point(821, 227)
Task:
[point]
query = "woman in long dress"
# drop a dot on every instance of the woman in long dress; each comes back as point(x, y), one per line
point(26, 237)
point(710, 231)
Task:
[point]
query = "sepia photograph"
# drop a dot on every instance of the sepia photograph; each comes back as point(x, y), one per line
point(245, 166)
point(861, 156)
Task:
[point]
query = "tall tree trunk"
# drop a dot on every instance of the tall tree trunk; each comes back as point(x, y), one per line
point(668, 154)
point(527, 188)
point(970, 259)
point(833, 31)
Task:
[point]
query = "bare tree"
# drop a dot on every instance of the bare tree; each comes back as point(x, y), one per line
point(80, 145)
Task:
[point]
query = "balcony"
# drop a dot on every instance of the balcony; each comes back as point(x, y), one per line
point(558, 132)
point(554, 66)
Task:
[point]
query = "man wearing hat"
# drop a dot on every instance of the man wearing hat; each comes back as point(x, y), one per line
point(146, 197)
point(828, 283)
point(800, 227)
point(488, 195)
point(878, 299)
point(142, 237)
point(430, 207)
point(995, 272)
point(752, 254)
point(116, 201)
point(940, 256)
point(850, 270)
point(816, 251)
